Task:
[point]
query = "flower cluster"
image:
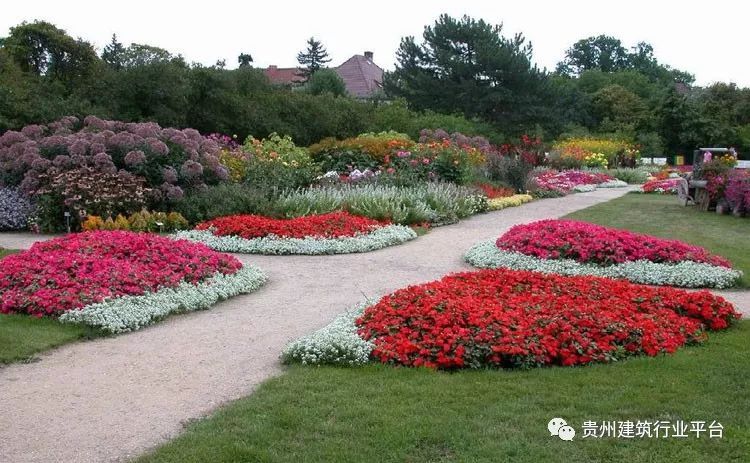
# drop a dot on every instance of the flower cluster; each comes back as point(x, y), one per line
point(595, 160)
point(737, 191)
point(77, 270)
point(140, 148)
point(666, 186)
point(529, 150)
point(564, 182)
point(129, 313)
point(15, 209)
point(378, 238)
point(497, 204)
point(331, 225)
point(506, 318)
point(596, 152)
point(143, 221)
point(590, 243)
point(686, 274)
point(492, 192)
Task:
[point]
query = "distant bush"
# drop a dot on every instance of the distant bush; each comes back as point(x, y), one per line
point(221, 200)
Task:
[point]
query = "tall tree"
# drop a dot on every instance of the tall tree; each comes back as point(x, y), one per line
point(313, 58)
point(244, 59)
point(603, 52)
point(466, 65)
point(42, 49)
point(114, 54)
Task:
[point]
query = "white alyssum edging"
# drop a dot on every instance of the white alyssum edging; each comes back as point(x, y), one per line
point(130, 313)
point(686, 274)
point(335, 344)
point(584, 188)
point(612, 184)
point(381, 237)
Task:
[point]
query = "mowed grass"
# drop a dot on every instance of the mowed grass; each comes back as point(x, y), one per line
point(388, 414)
point(22, 336)
point(663, 216)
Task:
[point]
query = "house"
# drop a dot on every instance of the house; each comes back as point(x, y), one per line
point(362, 77)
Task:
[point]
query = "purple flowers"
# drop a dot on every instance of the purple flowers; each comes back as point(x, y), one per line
point(15, 208)
point(135, 158)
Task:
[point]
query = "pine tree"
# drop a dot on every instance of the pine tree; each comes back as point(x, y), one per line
point(313, 58)
point(114, 54)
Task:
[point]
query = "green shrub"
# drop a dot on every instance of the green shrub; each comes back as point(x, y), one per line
point(631, 175)
point(221, 200)
point(276, 164)
point(508, 170)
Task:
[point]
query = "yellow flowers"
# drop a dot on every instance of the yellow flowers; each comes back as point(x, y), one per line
point(591, 145)
point(496, 204)
point(596, 160)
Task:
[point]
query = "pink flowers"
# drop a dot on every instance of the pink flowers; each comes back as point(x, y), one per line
point(76, 270)
point(666, 186)
point(586, 242)
point(563, 182)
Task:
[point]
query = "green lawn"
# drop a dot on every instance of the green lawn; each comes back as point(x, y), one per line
point(663, 216)
point(382, 414)
point(22, 336)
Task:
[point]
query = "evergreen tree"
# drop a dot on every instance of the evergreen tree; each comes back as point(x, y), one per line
point(113, 53)
point(245, 59)
point(313, 58)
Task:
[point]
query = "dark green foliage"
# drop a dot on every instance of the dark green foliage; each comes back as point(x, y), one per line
point(222, 200)
point(313, 58)
point(326, 81)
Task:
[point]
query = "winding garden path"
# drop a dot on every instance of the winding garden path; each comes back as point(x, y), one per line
point(112, 399)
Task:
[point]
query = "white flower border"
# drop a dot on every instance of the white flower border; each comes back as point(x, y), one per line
point(130, 313)
point(616, 183)
point(685, 274)
point(379, 238)
point(335, 344)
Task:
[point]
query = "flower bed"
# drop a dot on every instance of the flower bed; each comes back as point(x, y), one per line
point(579, 248)
point(506, 318)
point(667, 186)
point(95, 278)
point(568, 180)
point(332, 233)
point(496, 204)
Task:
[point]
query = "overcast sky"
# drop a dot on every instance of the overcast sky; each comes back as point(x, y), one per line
point(709, 39)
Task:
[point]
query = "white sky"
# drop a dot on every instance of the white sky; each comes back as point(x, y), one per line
point(708, 39)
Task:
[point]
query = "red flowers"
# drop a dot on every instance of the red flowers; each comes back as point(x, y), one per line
point(333, 225)
point(586, 242)
point(507, 318)
point(664, 186)
point(76, 270)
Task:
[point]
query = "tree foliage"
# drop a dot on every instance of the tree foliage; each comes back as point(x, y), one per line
point(313, 58)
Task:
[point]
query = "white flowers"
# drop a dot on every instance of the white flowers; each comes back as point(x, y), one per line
point(612, 184)
point(685, 274)
point(336, 344)
point(129, 313)
point(381, 237)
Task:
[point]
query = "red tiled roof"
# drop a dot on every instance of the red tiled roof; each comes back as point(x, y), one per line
point(283, 76)
point(361, 75)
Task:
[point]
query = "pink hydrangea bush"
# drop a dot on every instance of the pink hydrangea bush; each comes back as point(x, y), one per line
point(76, 270)
point(590, 243)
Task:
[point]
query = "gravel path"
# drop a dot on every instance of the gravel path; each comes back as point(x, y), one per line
point(111, 399)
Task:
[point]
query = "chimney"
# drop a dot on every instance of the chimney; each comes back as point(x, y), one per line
point(368, 55)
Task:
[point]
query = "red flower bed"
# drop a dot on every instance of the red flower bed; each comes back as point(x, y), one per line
point(333, 225)
point(586, 242)
point(77, 270)
point(492, 192)
point(507, 318)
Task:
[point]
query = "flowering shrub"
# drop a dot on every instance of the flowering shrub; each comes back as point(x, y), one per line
point(492, 192)
point(685, 274)
point(361, 152)
point(737, 191)
point(479, 143)
point(15, 209)
point(497, 204)
point(332, 225)
point(143, 149)
point(667, 186)
point(76, 270)
point(586, 242)
point(529, 150)
point(564, 182)
point(276, 164)
point(579, 152)
point(507, 318)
